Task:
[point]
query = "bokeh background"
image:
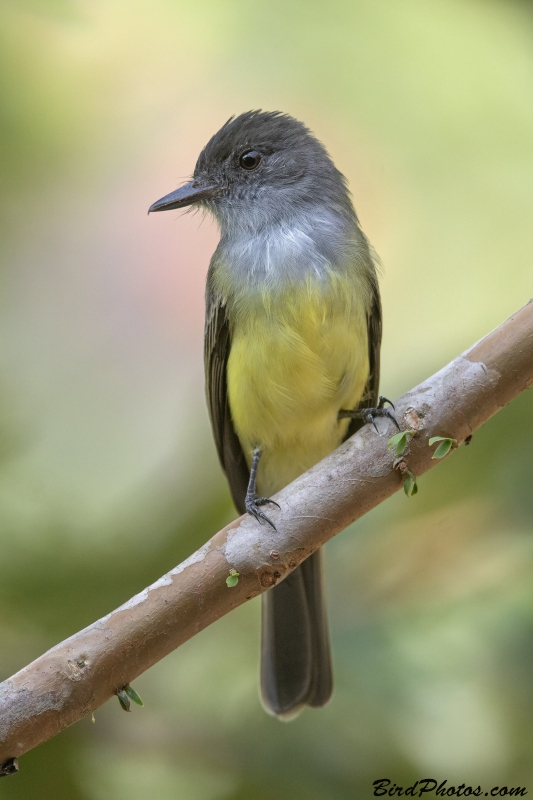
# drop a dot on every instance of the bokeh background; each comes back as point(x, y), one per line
point(108, 475)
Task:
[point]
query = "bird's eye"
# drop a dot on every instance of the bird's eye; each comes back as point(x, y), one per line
point(250, 159)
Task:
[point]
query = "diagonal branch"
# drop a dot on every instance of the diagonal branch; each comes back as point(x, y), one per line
point(84, 671)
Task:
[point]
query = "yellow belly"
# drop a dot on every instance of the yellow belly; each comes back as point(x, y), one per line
point(297, 358)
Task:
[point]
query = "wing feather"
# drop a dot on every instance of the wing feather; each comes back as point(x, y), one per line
point(374, 329)
point(217, 344)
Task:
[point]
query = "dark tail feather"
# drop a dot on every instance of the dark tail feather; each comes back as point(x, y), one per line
point(295, 650)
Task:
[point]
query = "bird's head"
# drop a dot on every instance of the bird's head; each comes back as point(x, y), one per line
point(261, 166)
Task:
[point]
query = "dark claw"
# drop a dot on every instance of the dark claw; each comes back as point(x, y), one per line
point(370, 418)
point(262, 501)
point(369, 414)
point(252, 507)
point(383, 401)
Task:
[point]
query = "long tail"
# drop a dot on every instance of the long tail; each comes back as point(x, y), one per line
point(295, 649)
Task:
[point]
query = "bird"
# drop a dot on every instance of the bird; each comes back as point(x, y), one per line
point(292, 347)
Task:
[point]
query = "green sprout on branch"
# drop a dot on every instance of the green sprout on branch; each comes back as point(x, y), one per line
point(400, 441)
point(410, 486)
point(444, 447)
point(125, 695)
point(132, 694)
point(233, 578)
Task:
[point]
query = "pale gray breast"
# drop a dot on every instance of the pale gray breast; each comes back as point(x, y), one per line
point(310, 244)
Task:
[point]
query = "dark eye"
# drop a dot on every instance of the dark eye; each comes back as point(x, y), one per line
point(250, 159)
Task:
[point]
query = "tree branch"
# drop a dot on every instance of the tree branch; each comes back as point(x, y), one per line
point(84, 671)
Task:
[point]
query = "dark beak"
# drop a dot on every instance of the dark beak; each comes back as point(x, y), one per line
point(185, 196)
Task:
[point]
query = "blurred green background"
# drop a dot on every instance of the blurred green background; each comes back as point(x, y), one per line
point(108, 475)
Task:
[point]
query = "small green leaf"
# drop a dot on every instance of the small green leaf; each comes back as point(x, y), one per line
point(124, 700)
point(400, 441)
point(410, 486)
point(393, 441)
point(446, 444)
point(442, 450)
point(132, 694)
point(233, 578)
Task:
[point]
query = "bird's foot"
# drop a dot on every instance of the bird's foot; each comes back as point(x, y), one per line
point(370, 414)
point(252, 503)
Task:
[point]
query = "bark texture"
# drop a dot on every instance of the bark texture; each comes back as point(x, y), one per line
point(78, 675)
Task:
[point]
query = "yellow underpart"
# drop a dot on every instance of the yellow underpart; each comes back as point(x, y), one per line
point(298, 356)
